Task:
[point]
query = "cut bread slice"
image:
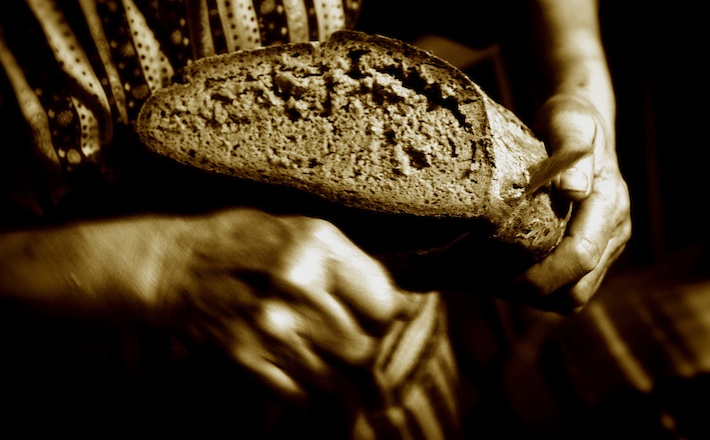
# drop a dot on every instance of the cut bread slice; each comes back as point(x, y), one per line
point(365, 122)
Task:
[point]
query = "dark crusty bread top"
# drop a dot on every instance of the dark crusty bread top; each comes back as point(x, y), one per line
point(362, 120)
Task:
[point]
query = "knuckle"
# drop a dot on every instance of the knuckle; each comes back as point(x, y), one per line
point(626, 231)
point(276, 319)
point(308, 234)
point(302, 250)
point(577, 301)
point(315, 227)
point(587, 254)
point(386, 308)
point(359, 350)
point(624, 200)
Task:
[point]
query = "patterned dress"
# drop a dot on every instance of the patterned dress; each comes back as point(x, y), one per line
point(73, 74)
point(76, 73)
point(80, 70)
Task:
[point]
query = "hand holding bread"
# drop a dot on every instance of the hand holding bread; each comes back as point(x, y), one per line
point(601, 226)
point(381, 132)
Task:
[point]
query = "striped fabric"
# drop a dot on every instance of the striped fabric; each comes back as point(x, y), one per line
point(644, 335)
point(635, 361)
point(415, 382)
point(80, 69)
point(77, 72)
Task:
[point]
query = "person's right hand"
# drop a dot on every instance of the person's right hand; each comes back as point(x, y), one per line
point(600, 225)
point(283, 296)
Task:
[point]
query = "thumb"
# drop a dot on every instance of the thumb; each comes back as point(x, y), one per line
point(569, 125)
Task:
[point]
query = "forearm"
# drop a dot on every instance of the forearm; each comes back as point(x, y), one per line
point(574, 58)
point(90, 269)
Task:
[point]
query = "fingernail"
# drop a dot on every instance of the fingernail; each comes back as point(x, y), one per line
point(574, 180)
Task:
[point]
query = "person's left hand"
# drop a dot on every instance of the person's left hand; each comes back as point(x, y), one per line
point(600, 225)
point(289, 298)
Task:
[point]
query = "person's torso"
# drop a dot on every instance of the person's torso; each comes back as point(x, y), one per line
point(80, 71)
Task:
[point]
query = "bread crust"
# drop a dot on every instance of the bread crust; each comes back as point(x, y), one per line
point(366, 122)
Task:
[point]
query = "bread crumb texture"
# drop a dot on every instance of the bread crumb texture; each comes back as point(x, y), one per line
point(362, 120)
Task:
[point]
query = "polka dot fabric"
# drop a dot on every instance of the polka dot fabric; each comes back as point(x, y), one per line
point(155, 68)
point(92, 63)
point(80, 71)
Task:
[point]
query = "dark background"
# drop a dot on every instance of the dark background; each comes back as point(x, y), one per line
point(656, 54)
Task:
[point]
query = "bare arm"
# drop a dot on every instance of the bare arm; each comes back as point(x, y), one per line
point(283, 296)
point(578, 115)
point(570, 42)
point(86, 269)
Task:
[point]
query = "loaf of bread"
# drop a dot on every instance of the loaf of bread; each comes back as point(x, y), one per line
point(366, 122)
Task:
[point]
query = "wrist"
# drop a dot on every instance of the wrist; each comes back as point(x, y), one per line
point(166, 269)
point(47, 269)
point(95, 270)
point(133, 262)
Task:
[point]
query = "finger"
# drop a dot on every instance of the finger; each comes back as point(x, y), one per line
point(203, 329)
point(329, 327)
point(368, 289)
point(598, 233)
point(569, 124)
point(274, 376)
point(282, 330)
point(601, 224)
point(251, 352)
point(572, 299)
point(574, 258)
point(340, 268)
point(347, 341)
point(580, 294)
point(575, 183)
point(578, 254)
point(323, 317)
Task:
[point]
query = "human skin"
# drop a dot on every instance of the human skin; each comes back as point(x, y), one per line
point(288, 298)
point(578, 115)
